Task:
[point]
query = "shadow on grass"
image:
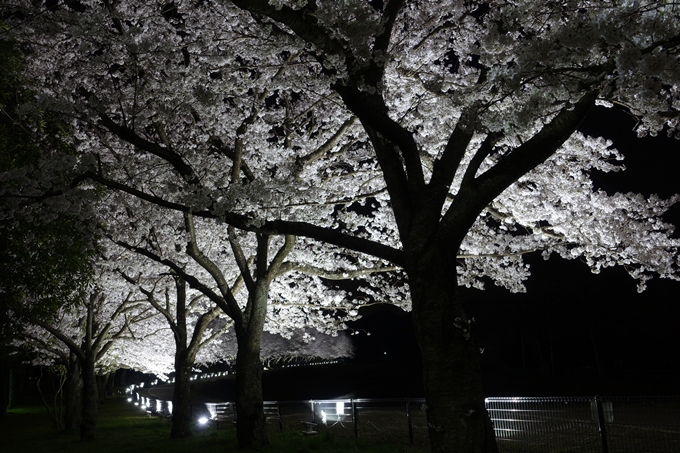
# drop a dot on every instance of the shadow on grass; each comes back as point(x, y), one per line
point(123, 428)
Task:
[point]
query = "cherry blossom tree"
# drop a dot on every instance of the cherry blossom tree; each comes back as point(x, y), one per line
point(231, 272)
point(439, 137)
point(80, 336)
point(200, 338)
point(189, 320)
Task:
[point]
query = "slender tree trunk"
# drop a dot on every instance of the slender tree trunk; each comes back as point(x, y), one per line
point(181, 413)
point(456, 415)
point(250, 421)
point(73, 407)
point(184, 360)
point(101, 387)
point(110, 378)
point(5, 387)
point(121, 373)
point(88, 425)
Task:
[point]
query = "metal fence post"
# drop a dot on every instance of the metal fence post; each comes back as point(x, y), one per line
point(278, 412)
point(410, 423)
point(600, 424)
point(354, 418)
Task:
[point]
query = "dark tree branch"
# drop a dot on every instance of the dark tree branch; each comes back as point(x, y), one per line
point(302, 22)
point(274, 227)
point(482, 153)
point(241, 260)
point(165, 153)
point(190, 279)
point(70, 344)
point(478, 192)
point(277, 262)
point(234, 312)
point(444, 169)
point(323, 149)
point(340, 274)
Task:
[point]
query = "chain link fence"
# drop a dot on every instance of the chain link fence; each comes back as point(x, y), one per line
point(522, 425)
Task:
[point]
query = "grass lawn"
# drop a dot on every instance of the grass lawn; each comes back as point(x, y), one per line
point(123, 428)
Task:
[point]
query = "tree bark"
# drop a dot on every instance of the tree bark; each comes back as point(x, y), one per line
point(250, 420)
point(456, 415)
point(181, 413)
point(184, 360)
point(88, 425)
point(73, 395)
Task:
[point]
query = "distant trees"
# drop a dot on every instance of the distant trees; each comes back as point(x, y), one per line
point(45, 253)
point(77, 337)
point(231, 274)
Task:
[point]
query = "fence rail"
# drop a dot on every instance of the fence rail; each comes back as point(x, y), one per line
point(526, 424)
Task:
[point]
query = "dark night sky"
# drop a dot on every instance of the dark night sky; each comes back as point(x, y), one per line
point(570, 318)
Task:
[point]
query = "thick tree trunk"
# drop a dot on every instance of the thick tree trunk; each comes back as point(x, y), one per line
point(88, 425)
point(181, 413)
point(456, 415)
point(184, 360)
point(73, 388)
point(250, 420)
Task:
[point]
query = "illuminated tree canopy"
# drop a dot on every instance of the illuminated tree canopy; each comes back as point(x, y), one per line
point(436, 137)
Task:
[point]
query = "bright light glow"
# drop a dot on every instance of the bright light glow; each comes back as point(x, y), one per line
point(136, 403)
point(323, 417)
point(143, 407)
point(158, 406)
point(212, 408)
point(170, 407)
point(203, 420)
point(340, 408)
point(129, 400)
point(141, 386)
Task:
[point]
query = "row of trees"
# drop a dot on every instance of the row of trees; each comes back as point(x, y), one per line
point(251, 149)
point(123, 301)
